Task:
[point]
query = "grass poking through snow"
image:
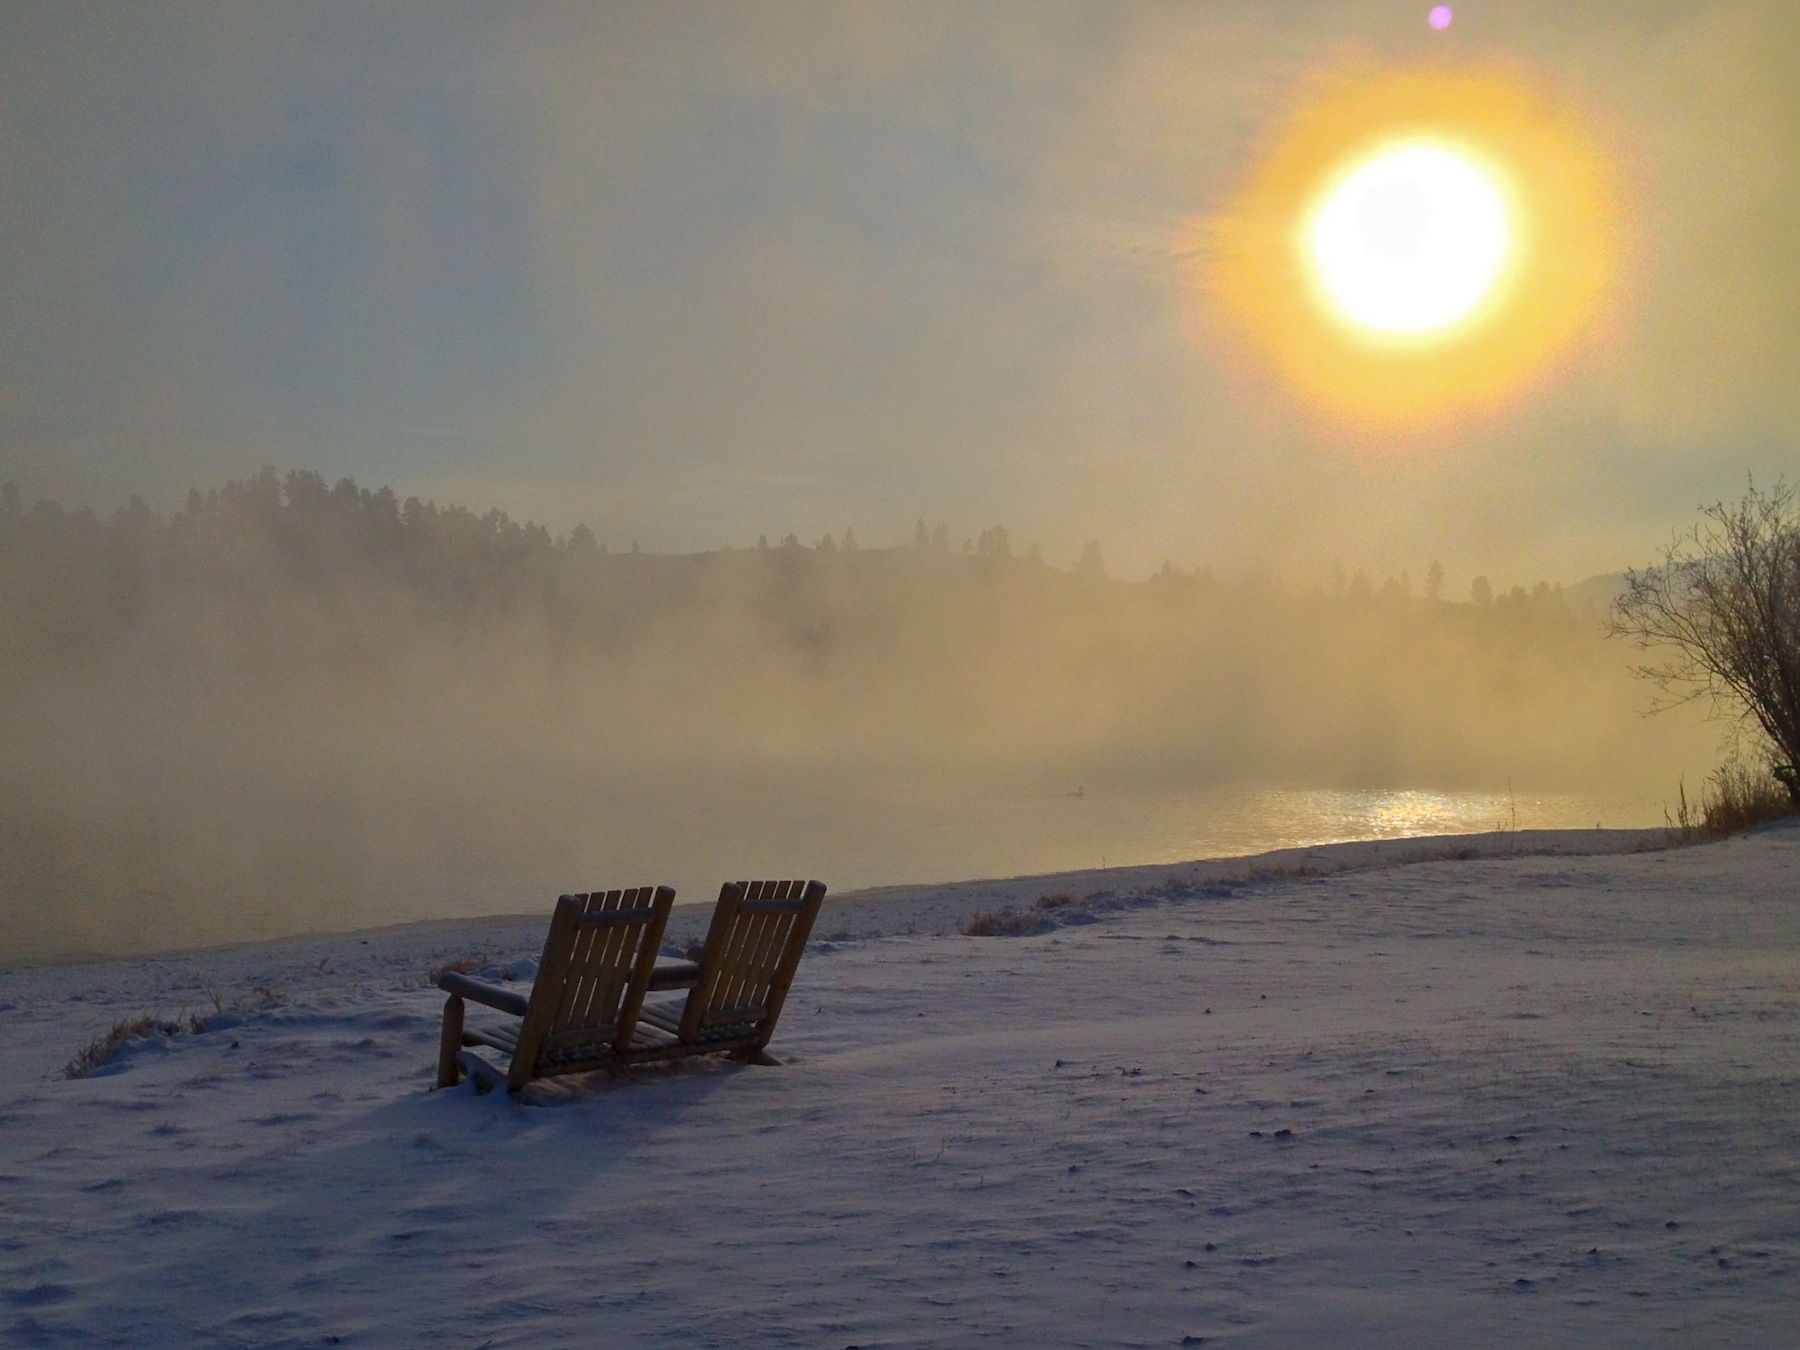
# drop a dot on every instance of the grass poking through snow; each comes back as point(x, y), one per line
point(105, 1047)
point(1014, 923)
point(466, 965)
point(1736, 796)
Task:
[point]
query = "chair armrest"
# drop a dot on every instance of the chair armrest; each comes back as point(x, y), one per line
point(675, 975)
point(454, 982)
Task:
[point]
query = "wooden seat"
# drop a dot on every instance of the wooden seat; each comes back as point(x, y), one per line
point(583, 1010)
point(753, 947)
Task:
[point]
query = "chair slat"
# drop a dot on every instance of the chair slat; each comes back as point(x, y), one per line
point(614, 917)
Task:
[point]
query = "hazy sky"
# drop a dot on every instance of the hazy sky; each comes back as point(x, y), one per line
point(699, 272)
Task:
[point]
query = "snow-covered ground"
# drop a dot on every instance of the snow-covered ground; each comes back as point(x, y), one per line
point(1547, 1093)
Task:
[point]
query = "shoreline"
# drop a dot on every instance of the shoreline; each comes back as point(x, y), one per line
point(968, 898)
point(944, 907)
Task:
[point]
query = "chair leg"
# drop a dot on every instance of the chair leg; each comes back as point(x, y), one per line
point(449, 1074)
point(482, 1076)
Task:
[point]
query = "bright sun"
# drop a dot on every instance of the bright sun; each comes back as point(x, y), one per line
point(1409, 245)
point(1410, 240)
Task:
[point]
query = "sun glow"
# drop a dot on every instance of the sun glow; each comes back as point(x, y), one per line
point(1411, 246)
point(1410, 241)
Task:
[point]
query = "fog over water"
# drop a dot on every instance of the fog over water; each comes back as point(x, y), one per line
point(290, 707)
point(683, 274)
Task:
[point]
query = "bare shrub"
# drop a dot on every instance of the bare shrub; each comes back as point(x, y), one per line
point(1722, 610)
point(1061, 900)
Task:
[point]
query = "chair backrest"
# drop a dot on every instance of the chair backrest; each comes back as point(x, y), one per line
point(590, 986)
point(758, 934)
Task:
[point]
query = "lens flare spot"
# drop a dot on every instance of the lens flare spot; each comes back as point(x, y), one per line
point(1440, 17)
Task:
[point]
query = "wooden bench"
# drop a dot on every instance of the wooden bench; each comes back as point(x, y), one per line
point(587, 1008)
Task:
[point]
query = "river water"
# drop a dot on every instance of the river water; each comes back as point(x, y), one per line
point(333, 863)
point(1018, 835)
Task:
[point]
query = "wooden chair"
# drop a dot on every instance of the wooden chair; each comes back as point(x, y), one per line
point(583, 1011)
point(736, 989)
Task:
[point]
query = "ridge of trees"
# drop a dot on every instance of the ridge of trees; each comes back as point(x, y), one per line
point(72, 581)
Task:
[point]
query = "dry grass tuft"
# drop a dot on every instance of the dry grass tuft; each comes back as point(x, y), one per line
point(1740, 795)
point(1014, 923)
point(463, 965)
point(105, 1047)
point(1004, 923)
point(1735, 797)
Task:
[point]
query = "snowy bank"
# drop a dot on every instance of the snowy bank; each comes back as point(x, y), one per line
point(1510, 1090)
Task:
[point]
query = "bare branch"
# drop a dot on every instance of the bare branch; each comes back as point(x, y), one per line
point(1722, 612)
